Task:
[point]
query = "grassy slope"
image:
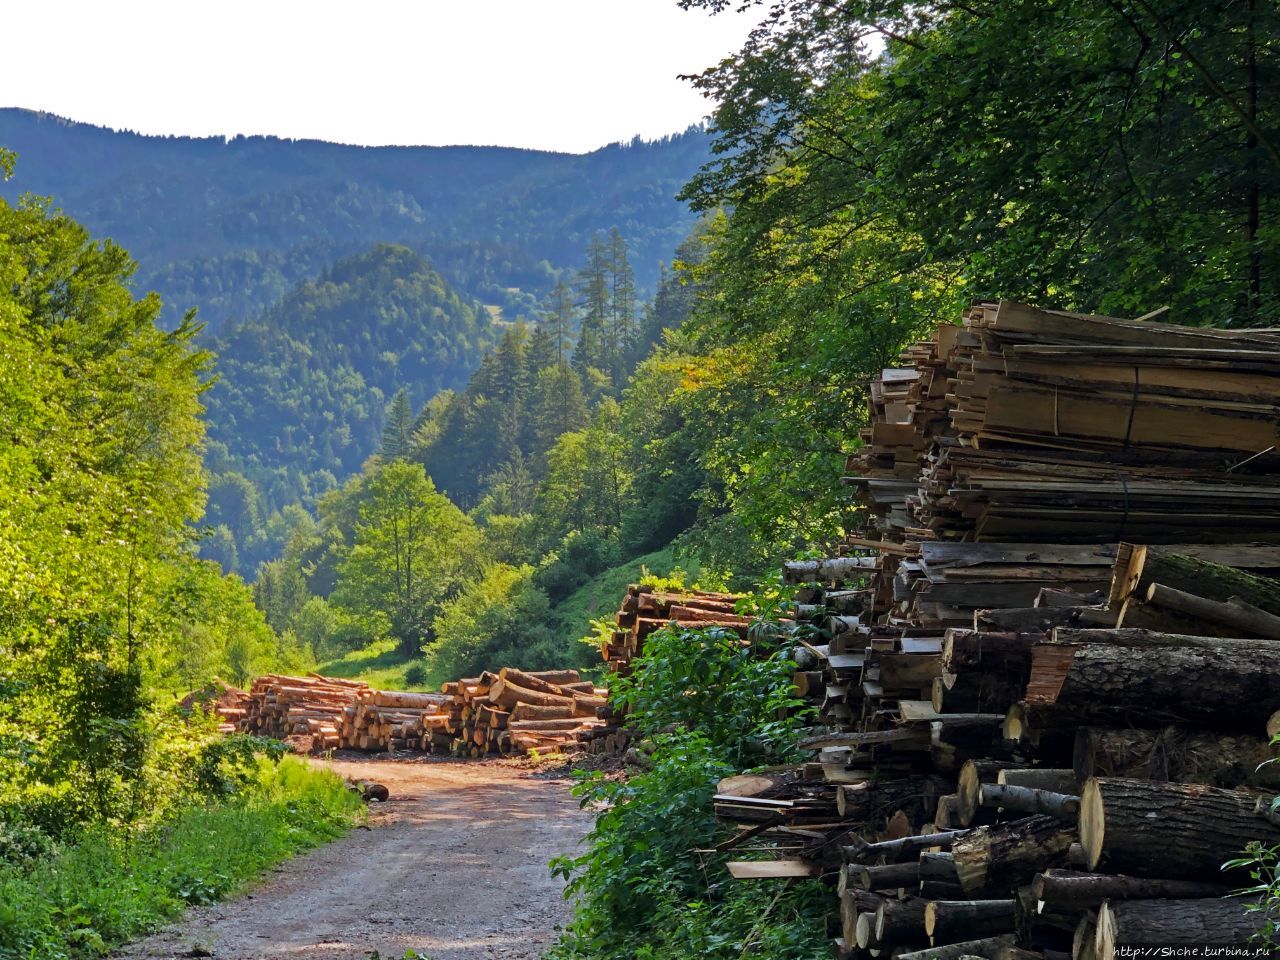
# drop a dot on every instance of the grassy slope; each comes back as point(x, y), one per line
point(381, 667)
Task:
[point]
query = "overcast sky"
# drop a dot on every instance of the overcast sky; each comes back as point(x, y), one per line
point(554, 74)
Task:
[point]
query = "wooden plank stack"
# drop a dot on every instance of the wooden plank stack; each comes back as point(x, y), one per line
point(1045, 670)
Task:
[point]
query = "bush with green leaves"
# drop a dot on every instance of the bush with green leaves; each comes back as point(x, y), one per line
point(80, 898)
point(705, 706)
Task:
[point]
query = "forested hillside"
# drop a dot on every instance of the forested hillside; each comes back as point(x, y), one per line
point(231, 226)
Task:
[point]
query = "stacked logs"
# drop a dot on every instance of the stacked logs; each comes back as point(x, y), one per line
point(308, 707)
point(643, 611)
point(516, 711)
point(511, 711)
point(1038, 740)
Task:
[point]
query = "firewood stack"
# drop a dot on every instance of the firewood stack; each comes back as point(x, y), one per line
point(1047, 670)
point(643, 611)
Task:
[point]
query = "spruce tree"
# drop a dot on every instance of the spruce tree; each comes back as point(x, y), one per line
point(397, 433)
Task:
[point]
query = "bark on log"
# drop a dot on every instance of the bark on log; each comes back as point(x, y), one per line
point(944, 920)
point(1129, 923)
point(900, 923)
point(891, 876)
point(906, 848)
point(527, 711)
point(506, 695)
point(1054, 779)
point(1213, 581)
point(1064, 890)
point(1004, 856)
point(1172, 753)
point(1138, 678)
point(1166, 830)
point(1233, 614)
point(938, 866)
point(969, 787)
point(987, 948)
point(1028, 800)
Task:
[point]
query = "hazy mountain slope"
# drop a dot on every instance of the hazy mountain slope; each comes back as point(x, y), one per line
point(230, 226)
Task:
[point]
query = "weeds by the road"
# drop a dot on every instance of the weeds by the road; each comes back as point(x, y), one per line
point(79, 899)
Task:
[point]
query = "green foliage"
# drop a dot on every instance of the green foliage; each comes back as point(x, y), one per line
point(103, 888)
point(741, 697)
point(640, 890)
point(500, 618)
point(412, 550)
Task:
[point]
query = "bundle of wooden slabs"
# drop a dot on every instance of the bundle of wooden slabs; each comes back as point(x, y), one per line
point(1047, 668)
point(642, 612)
point(511, 711)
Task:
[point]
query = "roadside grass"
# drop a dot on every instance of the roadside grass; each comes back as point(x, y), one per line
point(107, 888)
point(599, 596)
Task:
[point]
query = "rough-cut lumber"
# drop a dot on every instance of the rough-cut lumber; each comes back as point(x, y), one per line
point(1171, 923)
point(1074, 890)
point(1170, 830)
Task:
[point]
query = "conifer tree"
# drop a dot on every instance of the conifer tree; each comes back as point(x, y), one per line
point(397, 433)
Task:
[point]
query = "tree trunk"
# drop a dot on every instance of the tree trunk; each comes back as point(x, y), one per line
point(1005, 856)
point(1006, 653)
point(969, 788)
point(1054, 779)
point(938, 866)
point(1167, 830)
point(892, 876)
point(906, 848)
point(527, 711)
point(1065, 890)
point(1132, 677)
point(900, 923)
point(506, 695)
point(944, 920)
point(1171, 923)
point(1232, 615)
point(1028, 800)
point(1213, 581)
point(1183, 756)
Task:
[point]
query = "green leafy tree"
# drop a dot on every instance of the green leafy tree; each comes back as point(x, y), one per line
point(412, 549)
point(397, 433)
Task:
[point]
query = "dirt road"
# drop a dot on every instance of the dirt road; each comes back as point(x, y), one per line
point(454, 866)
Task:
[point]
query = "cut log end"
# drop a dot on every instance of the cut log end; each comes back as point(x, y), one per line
point(1092, 823)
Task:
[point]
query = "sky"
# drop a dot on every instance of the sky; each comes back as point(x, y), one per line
point(550, 74)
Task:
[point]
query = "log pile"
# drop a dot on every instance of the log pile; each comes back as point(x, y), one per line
point(1046, 669)
point(511, 711)
point(643, 611)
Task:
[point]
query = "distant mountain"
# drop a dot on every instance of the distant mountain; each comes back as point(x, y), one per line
point(303, 388)
point(230, 226)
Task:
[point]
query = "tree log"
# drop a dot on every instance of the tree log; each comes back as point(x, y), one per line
point(988, 949)
point(938, 866)
point(1004, 856)
point(527, 711)
point(906, 848)
point(891, 876)
point(1066, 890)
point(506, 695)
point(1132, 923)
point(969, 788)
point(1171, 753)
point(1028, 800)
point(1213, 581)
point(1054, 779)
point(1166, 830)
point(1233, 614)
point(900, 923)
point(944, 920)
point(1135, 677)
